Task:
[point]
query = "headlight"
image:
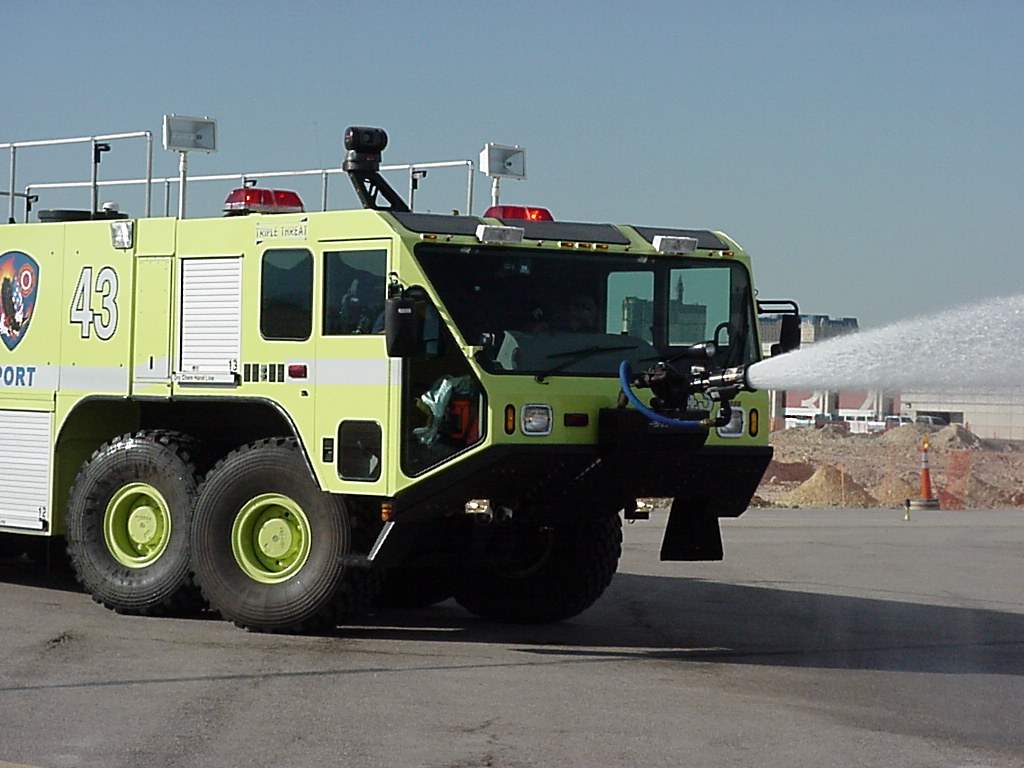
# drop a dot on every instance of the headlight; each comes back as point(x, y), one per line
point(536, 419)
point(735, 426)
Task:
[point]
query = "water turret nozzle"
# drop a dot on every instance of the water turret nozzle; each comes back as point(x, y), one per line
point(728, 378)
point(363, 148)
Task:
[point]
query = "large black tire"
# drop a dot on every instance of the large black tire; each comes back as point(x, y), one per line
point(571, 572)
point(314, 596)
point(417, 587)
point(162, 460)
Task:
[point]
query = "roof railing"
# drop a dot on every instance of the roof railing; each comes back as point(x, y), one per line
point(415, 171)
point(98, 145)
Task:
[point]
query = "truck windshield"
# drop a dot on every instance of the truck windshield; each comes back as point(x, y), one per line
point(548, 312)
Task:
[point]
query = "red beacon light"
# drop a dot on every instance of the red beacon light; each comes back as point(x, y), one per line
point(522, 212)
point(256, 200)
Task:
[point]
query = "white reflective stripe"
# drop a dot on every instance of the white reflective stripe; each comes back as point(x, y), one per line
point(352, 371)
point(81, 377)
point(25, 500)
point(28, 377)
point(94, 379)
point(160, 370)
point(396, 372)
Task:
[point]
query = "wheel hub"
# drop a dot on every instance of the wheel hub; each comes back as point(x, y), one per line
point(137, 525)
point(142, 525)
point(275, 538)
point(270, 538)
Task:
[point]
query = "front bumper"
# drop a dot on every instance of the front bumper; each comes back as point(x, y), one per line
point(632, 460)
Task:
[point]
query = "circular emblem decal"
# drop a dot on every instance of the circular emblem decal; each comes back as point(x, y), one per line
point(26, 280)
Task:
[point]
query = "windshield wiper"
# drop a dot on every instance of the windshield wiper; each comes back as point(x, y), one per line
point(576, 355)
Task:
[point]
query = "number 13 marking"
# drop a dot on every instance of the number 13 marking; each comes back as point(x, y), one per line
point(105, 320)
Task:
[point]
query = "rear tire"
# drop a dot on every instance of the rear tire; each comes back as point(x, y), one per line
point(268, 544)
point(569, 574)
point(128, 521)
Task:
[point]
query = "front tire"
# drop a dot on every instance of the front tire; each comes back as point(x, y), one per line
point(268, 544)
point(128, 521)
point(570, 572)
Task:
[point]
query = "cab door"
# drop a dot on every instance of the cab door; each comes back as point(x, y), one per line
point(353, 372)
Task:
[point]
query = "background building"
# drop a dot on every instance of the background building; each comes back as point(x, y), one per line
point(859, 407)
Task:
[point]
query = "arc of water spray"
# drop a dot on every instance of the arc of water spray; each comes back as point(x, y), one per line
point(977, 348)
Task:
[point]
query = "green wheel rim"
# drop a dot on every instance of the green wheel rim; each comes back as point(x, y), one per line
point(137, 525)
point(270, 538)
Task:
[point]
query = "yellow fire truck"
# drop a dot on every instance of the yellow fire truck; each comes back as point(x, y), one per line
point(287, 415)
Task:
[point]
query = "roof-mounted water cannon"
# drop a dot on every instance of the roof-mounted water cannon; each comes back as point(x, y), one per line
point(363, 149)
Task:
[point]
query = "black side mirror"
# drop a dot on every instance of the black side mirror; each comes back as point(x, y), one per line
point(789, 331)
point(403, 327)
point(789, 334)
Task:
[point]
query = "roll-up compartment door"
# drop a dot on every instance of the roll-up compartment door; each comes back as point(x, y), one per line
point(211, 320)
point(25, 500)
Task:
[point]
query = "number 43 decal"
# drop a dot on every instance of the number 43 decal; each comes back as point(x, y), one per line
point(103, 320)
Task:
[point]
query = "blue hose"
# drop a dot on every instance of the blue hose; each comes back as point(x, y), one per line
point(625, 373)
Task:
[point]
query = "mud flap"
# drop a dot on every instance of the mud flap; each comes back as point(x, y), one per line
point(692, 532)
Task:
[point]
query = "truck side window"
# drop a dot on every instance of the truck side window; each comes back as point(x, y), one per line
point(354, 292)
point(286, 294)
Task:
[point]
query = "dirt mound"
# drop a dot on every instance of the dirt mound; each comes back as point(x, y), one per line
point(971, 472)
point(954, 437)
point(788, 472)
point(829, 487)
point(895, 489)
point(971, 492)
point(908, 436)
point(809, 437)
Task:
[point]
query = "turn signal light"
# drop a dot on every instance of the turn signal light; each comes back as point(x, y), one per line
point(510, 419)
point(753, 422)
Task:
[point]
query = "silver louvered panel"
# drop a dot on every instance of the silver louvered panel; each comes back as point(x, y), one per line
point(211, 315)
point(25, 500)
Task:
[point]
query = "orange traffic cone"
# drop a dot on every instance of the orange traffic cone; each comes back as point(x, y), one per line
point(927, 500)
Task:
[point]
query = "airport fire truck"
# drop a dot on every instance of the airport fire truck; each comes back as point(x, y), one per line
point(291, 416)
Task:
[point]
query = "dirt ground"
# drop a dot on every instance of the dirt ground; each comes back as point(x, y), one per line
point(830, 467)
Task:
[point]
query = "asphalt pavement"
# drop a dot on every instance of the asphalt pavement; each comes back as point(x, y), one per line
point(838, 637)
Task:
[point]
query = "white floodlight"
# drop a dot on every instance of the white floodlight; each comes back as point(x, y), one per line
point(184, 134)
point(189, 134)
point(669, 244)
point(502, 160)
point(493, 234)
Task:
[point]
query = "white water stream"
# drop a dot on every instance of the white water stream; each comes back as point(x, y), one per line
point(977, 348)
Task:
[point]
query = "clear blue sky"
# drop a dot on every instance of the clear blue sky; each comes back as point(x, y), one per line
point(869, 158)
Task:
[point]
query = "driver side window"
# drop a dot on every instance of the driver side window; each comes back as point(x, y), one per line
point(354, 292)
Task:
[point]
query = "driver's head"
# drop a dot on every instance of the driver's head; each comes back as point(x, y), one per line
point(581, 313)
